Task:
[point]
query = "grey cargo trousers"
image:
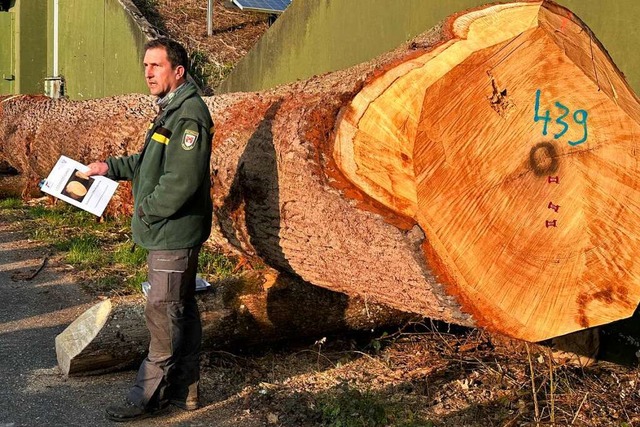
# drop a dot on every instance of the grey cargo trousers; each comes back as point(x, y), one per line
point(171, 370)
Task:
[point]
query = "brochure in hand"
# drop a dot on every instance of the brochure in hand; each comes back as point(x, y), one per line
point(68, 181)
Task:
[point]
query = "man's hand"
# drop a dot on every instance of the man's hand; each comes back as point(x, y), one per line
point(97, 168)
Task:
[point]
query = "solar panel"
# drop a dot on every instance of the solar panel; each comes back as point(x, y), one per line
point(267, 6)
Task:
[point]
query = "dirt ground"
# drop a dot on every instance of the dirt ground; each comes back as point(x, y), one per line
point(32, 312)
point(423, 374)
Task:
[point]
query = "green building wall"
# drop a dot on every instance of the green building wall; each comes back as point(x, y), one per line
point(24, 49)
point(100, 51)
point(316, 36)
point(31, 47)
point(7, 54)
point(100, 48)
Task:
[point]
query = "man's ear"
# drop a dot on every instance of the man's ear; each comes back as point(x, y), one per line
point(180, 72)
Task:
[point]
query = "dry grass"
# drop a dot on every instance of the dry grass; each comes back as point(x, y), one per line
point(423, 376)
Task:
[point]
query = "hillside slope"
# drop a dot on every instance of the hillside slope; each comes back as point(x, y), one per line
point(234, 33)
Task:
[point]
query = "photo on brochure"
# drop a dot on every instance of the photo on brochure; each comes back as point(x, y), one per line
point(78, 185)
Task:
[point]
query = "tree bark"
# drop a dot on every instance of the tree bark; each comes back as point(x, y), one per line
point(483, 174)
point(112, 335)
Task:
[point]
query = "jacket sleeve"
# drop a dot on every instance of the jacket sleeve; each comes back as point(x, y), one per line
point(122, 168)
point(186, 166)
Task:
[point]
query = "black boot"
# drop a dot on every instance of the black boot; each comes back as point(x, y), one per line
point(184, 397)
point(130, 411)
point(188, 404)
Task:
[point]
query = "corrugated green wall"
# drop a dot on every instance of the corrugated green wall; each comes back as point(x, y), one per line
point(101, 49)
point(123, 72)
point(7, 58)
point(31, 48)
point(313, 37)
point(81, 39)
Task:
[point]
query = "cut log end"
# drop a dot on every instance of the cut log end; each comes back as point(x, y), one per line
point(513, 146)
point(79, 334)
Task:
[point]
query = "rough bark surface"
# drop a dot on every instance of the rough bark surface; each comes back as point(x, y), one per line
point(335, 180)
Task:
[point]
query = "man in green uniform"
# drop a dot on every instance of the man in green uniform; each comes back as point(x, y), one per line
point(172, 218)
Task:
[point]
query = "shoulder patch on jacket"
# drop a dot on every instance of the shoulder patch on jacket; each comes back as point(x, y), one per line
point(189, 139)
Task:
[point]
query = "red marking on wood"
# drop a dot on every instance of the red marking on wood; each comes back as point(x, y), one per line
point(565, 20)
point(553, 223)
point(564, 24)
point(583, 300)
point(622, 293)
point(554, 207)
point(553, 179)
point(605, 295)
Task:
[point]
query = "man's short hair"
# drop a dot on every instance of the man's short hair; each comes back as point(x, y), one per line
point(176, 53)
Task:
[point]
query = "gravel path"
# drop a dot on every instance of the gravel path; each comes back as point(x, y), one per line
point(32, 313)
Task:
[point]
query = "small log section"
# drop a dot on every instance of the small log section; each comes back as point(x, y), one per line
point(111, 335)
point(484, 174)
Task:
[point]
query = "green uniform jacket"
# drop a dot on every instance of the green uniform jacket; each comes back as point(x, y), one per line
point(171, 176)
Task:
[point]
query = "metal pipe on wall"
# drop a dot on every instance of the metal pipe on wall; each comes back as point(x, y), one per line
point(210, 17)
point(56, 6)
point(54, 86)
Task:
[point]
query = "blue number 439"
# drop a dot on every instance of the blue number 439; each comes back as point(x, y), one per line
point(579, 117)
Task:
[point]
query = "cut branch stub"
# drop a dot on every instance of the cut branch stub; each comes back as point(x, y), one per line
point(513, 146)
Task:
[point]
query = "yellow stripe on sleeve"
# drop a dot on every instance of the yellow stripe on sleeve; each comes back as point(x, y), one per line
point(160, 138)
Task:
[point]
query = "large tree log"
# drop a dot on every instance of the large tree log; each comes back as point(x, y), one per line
point(507, 136)
point(112, 335)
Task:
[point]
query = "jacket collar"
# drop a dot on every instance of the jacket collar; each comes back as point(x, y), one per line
point(173, 100)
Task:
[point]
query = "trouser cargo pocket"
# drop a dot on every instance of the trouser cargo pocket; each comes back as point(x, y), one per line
point(172, 275)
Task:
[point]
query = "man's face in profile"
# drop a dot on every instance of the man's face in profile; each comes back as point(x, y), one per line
point(159, 74)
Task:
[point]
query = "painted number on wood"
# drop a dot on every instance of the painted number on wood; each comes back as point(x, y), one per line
point(579, 118)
